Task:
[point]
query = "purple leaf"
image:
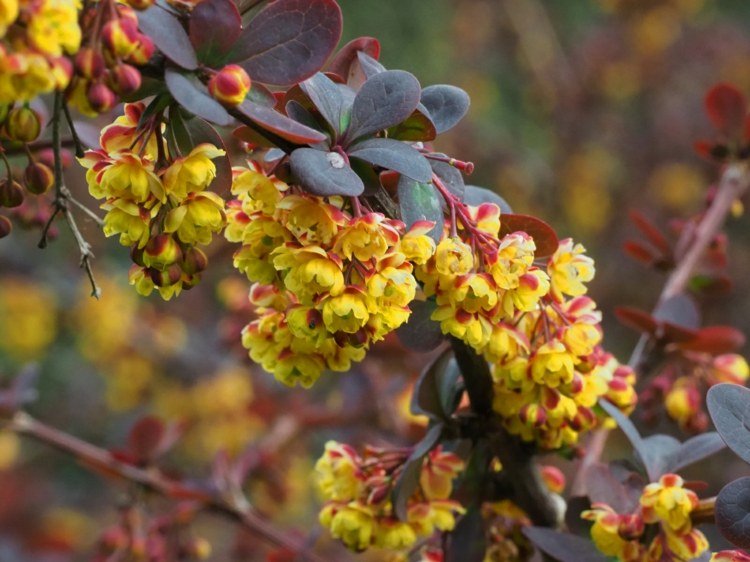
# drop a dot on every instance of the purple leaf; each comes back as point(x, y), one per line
point(325, 173)
point(729, 406)
point(341, 63)
point(409, 479)
point(436, 389)
point(475, 195)
point(447, 105)
point(733, 512)
point(468, 541)
point(384, 101)
point(693, 450)
point(288, 40)
point(168, 35)
point(330, 100)
point(370, 66)
point(420, 202)
point(214, 27)
point(393, 155)
point(563, 546)
point(279, 124)
point(420, 332)
point(191, 94)
point(450, 176)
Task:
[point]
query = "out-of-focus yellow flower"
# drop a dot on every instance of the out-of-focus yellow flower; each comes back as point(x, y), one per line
point(10, 446)
point(28, 319)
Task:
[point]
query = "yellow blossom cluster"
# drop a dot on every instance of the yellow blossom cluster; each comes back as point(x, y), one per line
point(660, 529)
point(328, 280)
point(28, 319)
point(359, 511)
point(156, 202)
point(533, 323)
point(35, 37)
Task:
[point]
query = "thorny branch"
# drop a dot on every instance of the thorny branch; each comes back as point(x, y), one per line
point(63, 197)
point(734, 182)
point(151, 479)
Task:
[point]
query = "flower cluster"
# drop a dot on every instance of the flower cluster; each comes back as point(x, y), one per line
point(359, 510)
point(534, 325)
point(104, 67)
point(681, 385)
point(329, 279)
point(35, 37)
point(659, 529)
point(158, 203)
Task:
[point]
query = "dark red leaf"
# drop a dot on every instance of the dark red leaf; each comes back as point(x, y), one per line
point(214, 27)
point(639, 252)
point(145, 438)
point(544, 236)
point(651, 232)
point(169, 36)
point(288, 40)
point(636, 319)
point(250, 136)
point(279, 124)
point(716, 340)
point(446, 105)
point(341, 63)
point(726, 107)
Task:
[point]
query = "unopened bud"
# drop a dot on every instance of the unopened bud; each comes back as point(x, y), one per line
point(5, 226)
point(11, 194)
point(195, 261)
point(162, 251)
point(101, 98)
point(143, 52)
point(167, 277)
point(39, 178)
point(230, 85)
point(89, 63)
point(121, 36)
point(126, 79)
point(23, 124)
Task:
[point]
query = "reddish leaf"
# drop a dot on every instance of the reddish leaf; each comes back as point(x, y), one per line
point(716, 340)
point(639, 252)
point(169, 36)
point(288, 40)
point(341, 63)
point(544, 236)
point(652, 233)
point(191, 94)
point(214, 27)
point(726, 107)
point(252, 137)
point(279, 124)
point(636, 319)
point(145, 437)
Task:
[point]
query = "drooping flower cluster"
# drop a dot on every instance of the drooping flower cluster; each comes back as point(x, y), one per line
point(104, 67)
point(158, 203)
point(358, 490)
point(534, 325)
point(330, 280)
point(36, 36)
point(659, 529)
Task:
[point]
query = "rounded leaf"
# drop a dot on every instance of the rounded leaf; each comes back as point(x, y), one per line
point(191, 94)
point(446, 104)
point(325, 173)
point(169, 36)
point(729, 406)
point(733, 512)
point(214, 27)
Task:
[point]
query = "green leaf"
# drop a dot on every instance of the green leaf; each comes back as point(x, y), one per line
point(420, 202)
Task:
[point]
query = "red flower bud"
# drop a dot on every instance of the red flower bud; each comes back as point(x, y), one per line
point(162, 251)
point(101, 98)
point(11, 194)
point(89, 63)
point(23, 124)
point(194, 262)
point(143, 52)
point(121, 36)
point(5, 226)
point(170, 276)
point(230, 85)
point(39, 178)
point(126, 79)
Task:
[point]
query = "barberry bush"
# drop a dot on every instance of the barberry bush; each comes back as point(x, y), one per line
point(327, 343)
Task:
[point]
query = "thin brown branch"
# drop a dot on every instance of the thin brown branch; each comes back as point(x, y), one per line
point(151, 479)
point(734, 182)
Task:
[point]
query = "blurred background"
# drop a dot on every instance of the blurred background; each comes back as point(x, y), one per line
point(581, 111)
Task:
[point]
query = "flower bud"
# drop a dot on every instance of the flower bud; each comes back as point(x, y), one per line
point(143, 52)
point(5, 226)
point(39, 178)
point(100, 97)
point(126, 79)
point(230, 85)
point(89, 63)
point(194, 261)
point(140, 4)
point(23, 124)
point(11, 194)
point(121, 36)
point(169, 276)
point(162, 251)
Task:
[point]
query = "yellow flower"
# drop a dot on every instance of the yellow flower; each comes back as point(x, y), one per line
point(474, 329)
point(425, 517)
point(257, 191)
point(415, 245)
point(392, 286)
point(531, 287)
point(475, 292)
point(569, 269)
point(347, 312)
point(669, 503)
point(308, 271)
point(310, 219)
point(514, 257)
point(581, 338)
point(53, 27)
point(8, 14)
point(130, 177)
point(129, 220)
point(199, 216)
point(438, 472)
point(354, 524)
point(27, 319)
point(337, 472)
point(366, 237)
point(453, 257)
point(394, 534)
point(260, 237)
point(192, 173)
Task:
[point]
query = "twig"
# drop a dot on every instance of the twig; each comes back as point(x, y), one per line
point(151, 479)
point(734, 182)
point(63, 196)
point(76, 139)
